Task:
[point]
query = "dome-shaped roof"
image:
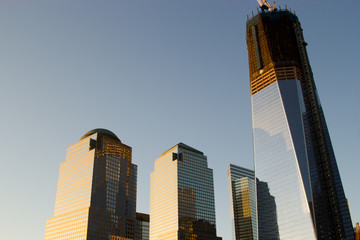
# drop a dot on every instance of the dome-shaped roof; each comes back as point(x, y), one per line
point(101, 131)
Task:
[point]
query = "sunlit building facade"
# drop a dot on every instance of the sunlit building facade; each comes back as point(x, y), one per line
point(242, 202)
point(300, 194)
point(182, 196)
point(96, 193)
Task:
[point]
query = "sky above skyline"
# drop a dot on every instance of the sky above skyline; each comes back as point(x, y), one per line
point(156, 73)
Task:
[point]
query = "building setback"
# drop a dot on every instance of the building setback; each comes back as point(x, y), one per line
point(182, 196)
point(294, 158)
point(96, 193)
point(242, 202)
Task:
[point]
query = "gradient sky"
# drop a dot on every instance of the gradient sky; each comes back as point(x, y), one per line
point(156, 73)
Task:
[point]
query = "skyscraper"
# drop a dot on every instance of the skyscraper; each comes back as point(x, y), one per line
point(242, 202)
point(96, 193)
point(294, 158)
point(182, 196)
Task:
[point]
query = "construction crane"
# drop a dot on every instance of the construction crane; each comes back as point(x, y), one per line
point(264, 5)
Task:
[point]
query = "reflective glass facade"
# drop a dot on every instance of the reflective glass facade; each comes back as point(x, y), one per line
point(299, 189)
point(182, 196)
point(278, 157)
point(142, 226)
point(242, 202)
point(96, 194)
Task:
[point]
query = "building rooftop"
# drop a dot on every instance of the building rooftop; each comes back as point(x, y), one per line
point(100, 131)
point(276, 14)
point(182, 146)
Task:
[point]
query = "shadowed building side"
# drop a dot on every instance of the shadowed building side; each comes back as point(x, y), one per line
point(142, 226)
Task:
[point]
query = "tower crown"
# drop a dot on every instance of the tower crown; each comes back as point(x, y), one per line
point(101, 131)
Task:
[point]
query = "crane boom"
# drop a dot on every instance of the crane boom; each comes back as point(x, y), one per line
point(260, 2)
point(264, 5)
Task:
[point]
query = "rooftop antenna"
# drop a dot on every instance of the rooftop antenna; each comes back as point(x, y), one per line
point(264, 5)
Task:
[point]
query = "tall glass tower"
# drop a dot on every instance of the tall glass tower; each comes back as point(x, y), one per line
point(294, 160)
point(96, 193)
point(182, 196)
point(242, 202)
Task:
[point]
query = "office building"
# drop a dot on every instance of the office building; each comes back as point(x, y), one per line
point(142, 226)
point(96, 193)
point(294, 158)
point(242, 202)
point(182, 196)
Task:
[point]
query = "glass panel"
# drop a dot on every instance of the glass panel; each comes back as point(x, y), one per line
point(280, 182)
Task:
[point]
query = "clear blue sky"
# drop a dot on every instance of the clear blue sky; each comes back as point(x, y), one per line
point(155, 72)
